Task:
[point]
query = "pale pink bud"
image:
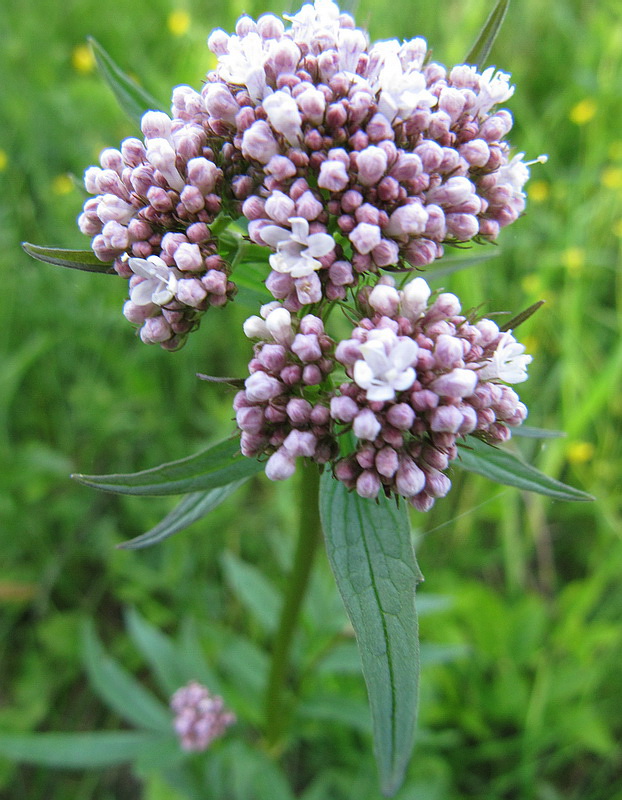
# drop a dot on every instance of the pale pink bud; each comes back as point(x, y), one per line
point(161, 156)
point(298, 410)
point(273, 357)
point(279, 284)
point(462, 226)
point(457, 383)
point(401, 416)
point(280, 465)
point(306, 347)
point(431, 155)
point(409, 478)
point(435, 227)
point(284, 116)
point(312, 103)
point(279, 324)
point(188, 257)
point(308, 206)
point(281, 168)
point(308, 289)
point(261, 387)
point(258, 142)
point(489, 331)
point(366, 425)
point(280, 207)
point(250, 419)
point(415, 296)
point(407, 167)
point(387, 462)
point(445, 305)
point(333, 176)
point(300, 443)
point(138, 314)
point(156, 125)
point(384, 299)
point(218, 42)
point(436, 484)
point(407, 220)
point(446, 418)
point(311, 324)
point(284, 57)
point(254, 207)
point(348, 352)
point(312, 375)
point(191, 292)
point(215, 282)
point(343, 409)
point(379, 129)
point(365, 237)
point(454, 191)
point(340, 273)
point(155, 329)
point(368, 484)
point(270, 27)
point(115, 235)
point(448, 351)
point(371, 165)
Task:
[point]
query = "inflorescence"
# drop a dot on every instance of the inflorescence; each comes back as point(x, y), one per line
point(350, 162)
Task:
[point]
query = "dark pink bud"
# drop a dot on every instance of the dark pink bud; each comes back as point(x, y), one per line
point(409, 478)
point(401, 416)
point(368, 484)
point(387, 462)
point(298, 411)
point(312, 375)
point(320, 415)
point(250, 419)
point(291, 374)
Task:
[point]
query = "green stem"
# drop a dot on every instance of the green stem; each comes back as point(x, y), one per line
point(308, 539)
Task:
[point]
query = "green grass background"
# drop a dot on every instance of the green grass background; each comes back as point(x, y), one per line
point(533, 710)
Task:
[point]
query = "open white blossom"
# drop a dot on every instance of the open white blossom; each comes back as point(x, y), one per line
point(508, 363)
point(297, 251)
point(160, 282)
point(386, 367)
point(401, 92)
point(494, 88)
point(244, 63)
point(315, 22)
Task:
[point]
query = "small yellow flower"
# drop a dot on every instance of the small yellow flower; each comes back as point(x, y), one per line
point(580, 452)
point(4, 160)
point(61, 185)
point(532, 284)
point(538, 191)
point(573, 258)
point(583, 111)
point(82, 59)
point(178, 22)
point(611, 178)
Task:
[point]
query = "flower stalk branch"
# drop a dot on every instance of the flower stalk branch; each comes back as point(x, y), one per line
point(308, 540)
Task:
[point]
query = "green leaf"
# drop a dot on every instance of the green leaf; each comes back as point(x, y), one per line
point(528, 432)
point(217, 466)
point(256, 593)
point(479, 52)
point(77, 750)
point(132, 98)
point(507, 468)
point(370, 551)
point(158, 650)
point(120, 690)
point(85, 260)
point(191, 508)
point(451, 265)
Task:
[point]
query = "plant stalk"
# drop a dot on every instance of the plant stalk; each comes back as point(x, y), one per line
point(308, 539)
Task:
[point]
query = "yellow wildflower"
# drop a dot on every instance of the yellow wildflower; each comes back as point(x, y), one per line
point(178, 22)
point(82, 59)
point(580, 452)
point(583, 111)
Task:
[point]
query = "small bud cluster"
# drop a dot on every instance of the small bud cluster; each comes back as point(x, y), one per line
point(152, 210)
point(345, 157)
point(200, 717)
point(422, 377)
point(277, 411)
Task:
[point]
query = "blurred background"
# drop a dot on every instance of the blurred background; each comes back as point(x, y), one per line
point(526, 704)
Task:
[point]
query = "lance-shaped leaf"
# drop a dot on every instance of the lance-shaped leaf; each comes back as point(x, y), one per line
point(217, 466)
point(85, 260)
point(191, 508)
point(371, 555)
point(132, 98)
point(505, 467)
point(78, 750)
point(479, 52)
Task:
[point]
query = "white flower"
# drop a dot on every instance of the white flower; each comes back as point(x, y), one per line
point(508, 363)
point(244, 64)
point(401, 92)
point(494, 88)
point(386, 367)
point(284, 116)
point(317, 21)
point(161, 155)
point(160, 282)
point(297, 251)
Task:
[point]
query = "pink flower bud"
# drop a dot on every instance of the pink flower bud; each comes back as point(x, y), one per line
point(261, 387)
point(462, 226)
point(384, 299)
point(270, 27)
point(188, 257)
point(448, 351)
point(366, 425)
point(300, 443)
point(343, 409)
point(368, 484)
point(250, 419)
point(191, 292)
point(387, 462)
point(308, 206)
point(298, 411)
point(371, 165)
point(273, 357)
point(333, 176)
point(365, 237)
point(312, 375)
point(409, 478)
point(280, 466)
point(283, 112)
point(280, 207)
point(446, 418)
point(401, 416)
point(258, 142)
point(407, 220)
point(454, 191)
point(155, 329)
point(156, 125)
point(306, 347)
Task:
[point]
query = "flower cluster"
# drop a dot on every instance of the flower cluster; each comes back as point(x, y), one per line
point(345, 158)
point(277, 411)
point(200, 717)
point(420, 377)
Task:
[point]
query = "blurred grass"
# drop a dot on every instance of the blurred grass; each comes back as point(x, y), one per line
point(534, 711)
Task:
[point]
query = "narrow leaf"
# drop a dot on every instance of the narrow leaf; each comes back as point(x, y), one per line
point(256, 593)
point(191, 508)
point(85, 260)
point(520, 318)
point(158, 650)
point(528, 432)
point(132, 98)
point(479, 52)
point(451, 265)
point(120, 690)
point(371, 554)
point(217, 466)
point(77, 750)
point(505, 467)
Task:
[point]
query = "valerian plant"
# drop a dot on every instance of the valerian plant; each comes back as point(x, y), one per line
point(345, 168)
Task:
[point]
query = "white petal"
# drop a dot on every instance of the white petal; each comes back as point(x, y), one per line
point(320, 244)
point(273, 234)
point(141, 295)
point(363, 374)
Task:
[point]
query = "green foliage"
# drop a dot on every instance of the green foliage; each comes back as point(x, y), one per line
point(527, 708)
